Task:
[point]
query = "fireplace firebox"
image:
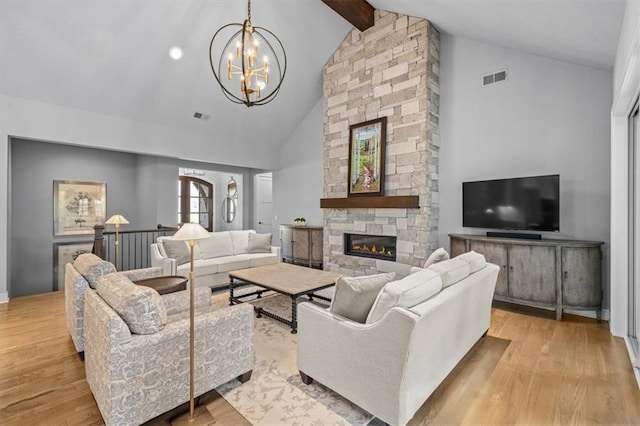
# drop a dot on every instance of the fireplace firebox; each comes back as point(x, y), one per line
point(372, 246)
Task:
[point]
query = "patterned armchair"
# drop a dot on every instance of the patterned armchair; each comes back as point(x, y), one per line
point(137, 354)
point(85, 272)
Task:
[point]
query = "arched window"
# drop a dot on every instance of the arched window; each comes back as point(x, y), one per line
point(195, 201)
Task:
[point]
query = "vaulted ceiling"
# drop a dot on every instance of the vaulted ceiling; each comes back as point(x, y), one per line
point(111, 57)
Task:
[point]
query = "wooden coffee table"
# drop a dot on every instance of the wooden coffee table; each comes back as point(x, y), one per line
point(284, 278)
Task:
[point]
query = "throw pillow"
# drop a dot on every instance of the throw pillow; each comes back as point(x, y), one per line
point(475, 260)
point(140, 307)
point(451, 271)
point(240, 240)
point(259, 243)
point(355, 295)
point(217, 245)
point(437, 256)
point(177, 249)
point(406, 293)
point(91, 267)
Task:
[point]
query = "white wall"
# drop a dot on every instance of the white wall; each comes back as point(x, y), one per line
point(549, 117)
point(29, 119)
point(626, 90)
point(297, 186)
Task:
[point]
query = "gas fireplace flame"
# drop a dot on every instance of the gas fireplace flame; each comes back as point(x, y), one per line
point(373, 249)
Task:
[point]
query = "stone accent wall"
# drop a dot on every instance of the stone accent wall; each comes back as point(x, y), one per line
point(391, 69)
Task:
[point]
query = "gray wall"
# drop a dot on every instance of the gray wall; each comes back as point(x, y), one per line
point(157, 191)
point(297, 186)
point(143, 188)
point(34, 167)
point(548, 117)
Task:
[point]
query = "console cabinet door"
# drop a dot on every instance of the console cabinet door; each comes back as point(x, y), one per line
point(316, 246)
point(458, 246)
point(581, 277)
point(532, 273)
point(301, 244)
point(496, 254)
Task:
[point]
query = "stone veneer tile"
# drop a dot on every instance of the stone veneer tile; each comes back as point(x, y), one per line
point(390, 70)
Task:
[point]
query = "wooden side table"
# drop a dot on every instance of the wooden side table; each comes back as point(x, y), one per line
point(165, 284)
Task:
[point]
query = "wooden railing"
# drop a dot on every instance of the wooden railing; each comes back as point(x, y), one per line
point(134, 250)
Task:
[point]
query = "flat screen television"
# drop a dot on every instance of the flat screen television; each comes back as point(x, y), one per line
point(524, 204)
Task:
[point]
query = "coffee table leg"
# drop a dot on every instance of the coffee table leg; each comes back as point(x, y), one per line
point(294, 315)
point(230, 291)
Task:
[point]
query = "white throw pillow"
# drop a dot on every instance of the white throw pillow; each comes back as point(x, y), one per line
point(259, 243)
point(451, 271)
point(240, 241)
point(406, 293)
point(355, 295)
point(437, 256)
point(475, 260)
point(217, 245)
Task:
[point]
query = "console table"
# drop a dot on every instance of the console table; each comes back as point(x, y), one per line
point(302, 245)
point(549, 274)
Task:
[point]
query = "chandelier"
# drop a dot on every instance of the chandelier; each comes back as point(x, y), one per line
point(251, 64)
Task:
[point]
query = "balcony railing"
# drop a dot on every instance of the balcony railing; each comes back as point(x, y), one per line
point(134, 250)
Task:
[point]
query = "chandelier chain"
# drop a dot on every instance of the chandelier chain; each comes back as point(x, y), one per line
point(249, 10)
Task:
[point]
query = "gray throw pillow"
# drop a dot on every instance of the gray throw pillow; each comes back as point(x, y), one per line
point(259, 243)
point(354, 296)
point(178, 250)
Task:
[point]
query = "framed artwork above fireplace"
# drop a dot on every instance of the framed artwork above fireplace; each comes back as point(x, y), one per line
point(366, 157)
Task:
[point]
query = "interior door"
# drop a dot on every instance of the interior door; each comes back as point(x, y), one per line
point(264, 208)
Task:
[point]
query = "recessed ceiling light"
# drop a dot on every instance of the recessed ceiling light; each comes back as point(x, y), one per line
point(175, 52)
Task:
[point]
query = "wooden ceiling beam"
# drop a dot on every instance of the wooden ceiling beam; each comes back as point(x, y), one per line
point(358, 13)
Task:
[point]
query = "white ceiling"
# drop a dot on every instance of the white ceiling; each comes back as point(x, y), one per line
point(111, 57)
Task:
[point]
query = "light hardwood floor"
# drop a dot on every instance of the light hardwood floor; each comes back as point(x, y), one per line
point(528, 370)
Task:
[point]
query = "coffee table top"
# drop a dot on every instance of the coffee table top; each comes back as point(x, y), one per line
point(286, 278)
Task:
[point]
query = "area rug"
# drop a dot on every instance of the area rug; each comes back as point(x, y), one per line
point(275, 395)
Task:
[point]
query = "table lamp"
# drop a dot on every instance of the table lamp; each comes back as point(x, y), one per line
point(117, 220)
point(191, 232)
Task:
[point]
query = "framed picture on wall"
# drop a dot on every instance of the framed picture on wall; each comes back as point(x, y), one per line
point(366, 157)
point(78, 206)
point(64, 253)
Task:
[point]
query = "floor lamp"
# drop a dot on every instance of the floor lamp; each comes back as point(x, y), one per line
point(117, 220)
point(191, 232)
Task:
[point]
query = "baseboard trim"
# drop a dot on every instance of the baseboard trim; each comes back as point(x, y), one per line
point(4, 297)
point(604, 313)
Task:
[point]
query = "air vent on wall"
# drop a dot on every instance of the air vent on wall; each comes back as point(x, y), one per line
point(495, 77)
point(200, 116)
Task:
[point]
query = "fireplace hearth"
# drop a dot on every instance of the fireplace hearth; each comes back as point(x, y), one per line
point(371, 246)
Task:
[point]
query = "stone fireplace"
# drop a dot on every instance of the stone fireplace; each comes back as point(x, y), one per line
point(370, 246)
point(391, 70)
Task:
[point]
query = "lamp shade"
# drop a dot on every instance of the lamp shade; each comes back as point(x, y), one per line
point(117, 219)
point(191, 231)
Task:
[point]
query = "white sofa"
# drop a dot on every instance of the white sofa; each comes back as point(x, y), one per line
point(217, 255)
point(391, 363)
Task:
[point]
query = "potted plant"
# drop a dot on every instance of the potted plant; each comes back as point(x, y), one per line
point(299, 221)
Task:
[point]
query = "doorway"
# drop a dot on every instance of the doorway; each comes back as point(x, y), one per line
point(264, 203)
